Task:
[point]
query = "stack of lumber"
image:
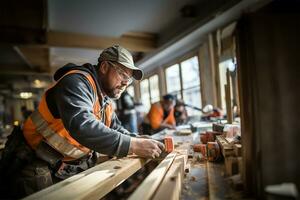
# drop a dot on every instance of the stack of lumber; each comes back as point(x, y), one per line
point(165, 181)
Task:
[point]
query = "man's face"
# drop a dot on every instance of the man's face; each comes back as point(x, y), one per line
point(168, 105)
point(116, 79)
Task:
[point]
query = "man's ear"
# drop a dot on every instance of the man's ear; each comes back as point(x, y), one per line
point(103, 67)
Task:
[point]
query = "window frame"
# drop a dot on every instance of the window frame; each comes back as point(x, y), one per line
point(179, 61)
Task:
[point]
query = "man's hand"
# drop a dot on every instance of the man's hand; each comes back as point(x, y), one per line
point(146, 148)
point(144, 136)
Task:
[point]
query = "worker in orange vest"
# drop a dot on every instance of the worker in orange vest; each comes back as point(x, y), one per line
point(160, 116)
point(74, 121)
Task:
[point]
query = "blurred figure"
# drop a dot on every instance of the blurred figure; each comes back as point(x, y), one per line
point(180, 113)
point(25, 112)
point(215, 113)
point(160, 116)
point(127, 112)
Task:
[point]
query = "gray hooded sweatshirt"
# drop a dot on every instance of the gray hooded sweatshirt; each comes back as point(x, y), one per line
point(72, 100)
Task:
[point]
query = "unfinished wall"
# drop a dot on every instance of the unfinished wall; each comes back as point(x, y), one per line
point(269, 79)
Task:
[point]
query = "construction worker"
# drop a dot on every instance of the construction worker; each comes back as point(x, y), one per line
point(74, 120)
point(126, 112)
point(180, 113)
point(160, 116)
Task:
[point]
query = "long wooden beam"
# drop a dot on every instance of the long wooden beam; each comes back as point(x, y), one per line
point(93, 183)
point(148, 187)
point(170, 187)
point(133, 42)
point(36, 56)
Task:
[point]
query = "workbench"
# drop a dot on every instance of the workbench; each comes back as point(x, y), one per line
point(180, 175)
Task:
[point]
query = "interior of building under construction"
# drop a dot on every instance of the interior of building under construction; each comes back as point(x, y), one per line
point(228, 70)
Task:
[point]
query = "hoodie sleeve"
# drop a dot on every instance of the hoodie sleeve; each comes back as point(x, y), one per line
point(74, 99)
point(116, 125)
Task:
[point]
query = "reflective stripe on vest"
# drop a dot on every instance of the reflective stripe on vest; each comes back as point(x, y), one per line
point(53, 139)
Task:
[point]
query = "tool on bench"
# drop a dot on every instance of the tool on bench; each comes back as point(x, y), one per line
point(169, 144)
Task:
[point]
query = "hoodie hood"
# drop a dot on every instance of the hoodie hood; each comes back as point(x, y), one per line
point(89, 68)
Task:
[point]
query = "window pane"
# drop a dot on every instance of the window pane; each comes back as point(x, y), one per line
point(130, 90)
point(154, 88)
point(177, 94)
point(192, 97)
point(145, 96)
point(173, 78)
point(190, 73)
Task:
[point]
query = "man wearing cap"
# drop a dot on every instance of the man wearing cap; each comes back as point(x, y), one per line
point(75, 120)
point(160, 116)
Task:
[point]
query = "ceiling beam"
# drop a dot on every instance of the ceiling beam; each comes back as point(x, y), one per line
point(37, 57)
point(194, 37)
point(133, 42)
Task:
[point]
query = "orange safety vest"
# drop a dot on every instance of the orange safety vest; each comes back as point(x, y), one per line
point(41, 125)
point(156, 116)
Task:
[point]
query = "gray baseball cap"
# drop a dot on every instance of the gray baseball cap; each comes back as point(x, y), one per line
point(121, 55)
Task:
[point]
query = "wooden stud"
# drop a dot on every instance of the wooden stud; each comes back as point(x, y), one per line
point(148, 187)
point(170, 188)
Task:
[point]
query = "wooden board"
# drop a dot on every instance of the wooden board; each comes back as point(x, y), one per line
point(170, 188)
point(93, 183)
point(148, 187)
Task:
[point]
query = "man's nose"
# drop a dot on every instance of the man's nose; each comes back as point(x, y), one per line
point(125, 82)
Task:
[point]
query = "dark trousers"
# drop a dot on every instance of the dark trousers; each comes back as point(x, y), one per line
point(23, 172)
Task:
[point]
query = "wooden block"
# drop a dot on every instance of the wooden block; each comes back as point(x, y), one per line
point(148, 187)
point(237, 150)
point(226, 148)
point(231, 166)
point(184, 132)
point(197, 147)
point(212, 135)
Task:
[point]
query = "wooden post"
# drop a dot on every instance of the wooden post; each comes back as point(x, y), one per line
point(228, 99)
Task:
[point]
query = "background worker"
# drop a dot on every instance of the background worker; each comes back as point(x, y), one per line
point(74, 120)
point(180, 113)
point(127, 113)
point(160, 116)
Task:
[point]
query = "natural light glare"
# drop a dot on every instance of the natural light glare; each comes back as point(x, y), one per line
point(154, 88)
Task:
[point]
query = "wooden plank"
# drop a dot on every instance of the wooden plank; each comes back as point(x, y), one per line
point(150, 184)
point(170, 188)
point(93, 183)
point(131, 42)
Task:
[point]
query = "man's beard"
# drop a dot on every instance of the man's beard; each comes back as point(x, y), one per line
point(114, 93)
